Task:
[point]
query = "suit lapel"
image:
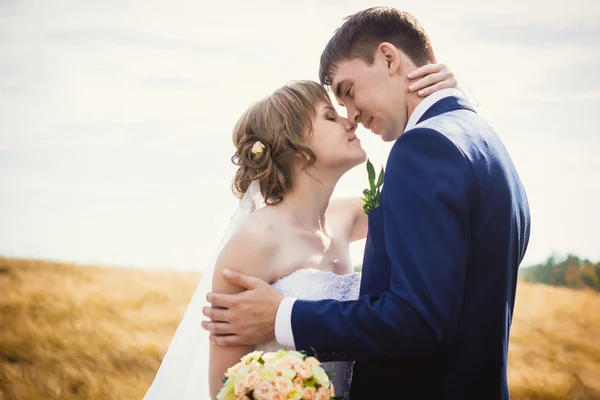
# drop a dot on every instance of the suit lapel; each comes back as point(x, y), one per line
point(445, 105)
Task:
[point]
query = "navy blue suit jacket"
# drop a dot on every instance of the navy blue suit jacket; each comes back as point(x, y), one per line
point(439, 272)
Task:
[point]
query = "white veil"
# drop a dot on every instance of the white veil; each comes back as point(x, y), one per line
point(183, 373)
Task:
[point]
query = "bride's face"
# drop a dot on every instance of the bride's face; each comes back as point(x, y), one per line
point(334, 141)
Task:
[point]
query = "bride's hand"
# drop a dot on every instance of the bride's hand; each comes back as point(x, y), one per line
point(430, 78)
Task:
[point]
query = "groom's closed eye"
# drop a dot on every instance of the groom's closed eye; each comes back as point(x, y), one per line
point(344, 91)
point(348, 92)
point(338, 87)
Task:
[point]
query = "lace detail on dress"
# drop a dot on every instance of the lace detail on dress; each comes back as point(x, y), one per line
point(312, 284)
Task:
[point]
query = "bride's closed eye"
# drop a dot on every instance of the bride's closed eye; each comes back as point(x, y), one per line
point(330, 114)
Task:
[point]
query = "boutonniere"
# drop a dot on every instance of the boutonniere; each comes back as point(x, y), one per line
point(372, 195)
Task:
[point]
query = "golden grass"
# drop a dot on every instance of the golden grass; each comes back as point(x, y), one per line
point(73, 332)
point(554, 350)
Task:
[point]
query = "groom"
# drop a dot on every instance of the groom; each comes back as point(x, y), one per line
point(444, 245)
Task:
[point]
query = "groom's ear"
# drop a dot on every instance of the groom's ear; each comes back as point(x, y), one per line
point(391, 56)
point(431, 54)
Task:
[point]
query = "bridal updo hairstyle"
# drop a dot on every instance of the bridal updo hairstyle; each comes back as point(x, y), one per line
point(279, 122)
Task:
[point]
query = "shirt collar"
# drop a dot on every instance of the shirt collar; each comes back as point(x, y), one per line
point(427, 102)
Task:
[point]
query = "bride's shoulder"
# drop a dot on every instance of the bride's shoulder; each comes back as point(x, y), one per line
point(255, 231)
point(260, 227)
point(252, 248)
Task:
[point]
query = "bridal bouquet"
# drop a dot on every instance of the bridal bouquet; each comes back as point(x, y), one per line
point(281, 375)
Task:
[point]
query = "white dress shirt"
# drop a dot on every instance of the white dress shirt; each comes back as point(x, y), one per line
point(283, 321)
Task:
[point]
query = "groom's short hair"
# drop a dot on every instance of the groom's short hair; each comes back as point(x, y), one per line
point(361, 34)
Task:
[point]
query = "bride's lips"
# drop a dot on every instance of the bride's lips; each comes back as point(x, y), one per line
point(354, 138)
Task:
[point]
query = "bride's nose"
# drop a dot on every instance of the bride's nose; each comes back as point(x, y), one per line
point(348, 125)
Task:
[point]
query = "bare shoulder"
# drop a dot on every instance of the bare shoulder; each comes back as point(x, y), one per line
point(251, 249)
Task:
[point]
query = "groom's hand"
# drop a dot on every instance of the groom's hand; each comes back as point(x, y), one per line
point(245, 318)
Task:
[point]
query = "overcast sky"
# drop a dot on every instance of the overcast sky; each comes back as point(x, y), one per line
point(116, 116)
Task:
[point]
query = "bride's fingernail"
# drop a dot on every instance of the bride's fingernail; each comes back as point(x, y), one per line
point(421, 92)
point(411, 87)
point(226, 272)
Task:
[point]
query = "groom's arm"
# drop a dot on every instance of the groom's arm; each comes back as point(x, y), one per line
point(426, 225)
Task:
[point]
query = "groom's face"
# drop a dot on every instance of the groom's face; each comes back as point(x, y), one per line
point(373, 96)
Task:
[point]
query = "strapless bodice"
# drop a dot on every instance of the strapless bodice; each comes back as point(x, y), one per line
point(312, 284)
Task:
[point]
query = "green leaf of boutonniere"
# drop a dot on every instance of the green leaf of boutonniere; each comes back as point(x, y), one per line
point(372, 195)
point(380, 180)
point(371, 172)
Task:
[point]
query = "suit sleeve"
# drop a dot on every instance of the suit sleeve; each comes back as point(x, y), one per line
point(426, 226)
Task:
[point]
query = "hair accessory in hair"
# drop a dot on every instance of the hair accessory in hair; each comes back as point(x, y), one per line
point(258, 148)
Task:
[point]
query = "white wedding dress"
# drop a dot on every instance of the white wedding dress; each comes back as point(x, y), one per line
point(312, 284)
point(183, 372)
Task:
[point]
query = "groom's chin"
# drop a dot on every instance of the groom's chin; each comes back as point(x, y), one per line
point(387, 138)
point(388, 135)
point(383, 134)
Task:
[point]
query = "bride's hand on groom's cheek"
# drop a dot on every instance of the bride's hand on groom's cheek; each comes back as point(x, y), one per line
point(245, 318)
point(430, 78)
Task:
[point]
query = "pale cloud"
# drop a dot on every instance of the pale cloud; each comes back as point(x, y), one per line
point(116, 117)
point(537, 34)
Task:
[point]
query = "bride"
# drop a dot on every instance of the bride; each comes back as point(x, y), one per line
point(291, 148)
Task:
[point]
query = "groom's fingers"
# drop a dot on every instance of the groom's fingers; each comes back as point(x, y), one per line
point(216, 314)
point(229, 340)
point(241, 280)
point(217, 328)
point(221, 300)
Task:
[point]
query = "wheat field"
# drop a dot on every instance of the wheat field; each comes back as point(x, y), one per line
point(85, 332)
